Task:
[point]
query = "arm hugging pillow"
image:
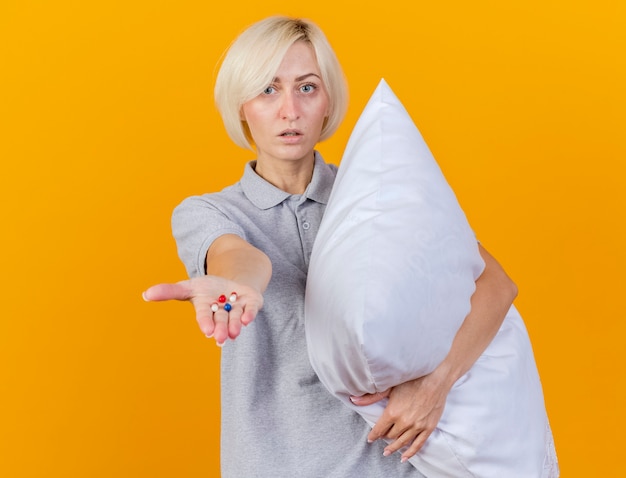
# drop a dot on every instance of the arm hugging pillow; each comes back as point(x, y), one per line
point(394, 263)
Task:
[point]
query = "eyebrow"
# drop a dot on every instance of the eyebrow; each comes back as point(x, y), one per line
point(300, 78)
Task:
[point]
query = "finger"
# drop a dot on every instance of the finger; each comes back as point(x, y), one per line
point(234, 322)
point(249, 313)
point(177, 291)
point(220, 318)
point(402, 440)
point(204, 316)
point(416, 446)
point(380, 429)
point(369, 398)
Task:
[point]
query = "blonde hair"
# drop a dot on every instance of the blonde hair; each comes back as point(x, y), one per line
point(251, 63)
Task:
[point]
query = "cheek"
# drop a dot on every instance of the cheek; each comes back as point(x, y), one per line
point(324, 113)
point(244, 112)
point(251, 111)
point(251, 117)
point(325, 109)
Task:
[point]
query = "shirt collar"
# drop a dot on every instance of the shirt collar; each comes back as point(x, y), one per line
point(265, 195)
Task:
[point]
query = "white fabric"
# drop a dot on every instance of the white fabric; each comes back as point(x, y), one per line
point(494, 424)
point(394, 263)
point(391, 274)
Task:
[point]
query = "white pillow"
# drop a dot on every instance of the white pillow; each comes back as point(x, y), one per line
point(394, 263)
point(391, 274)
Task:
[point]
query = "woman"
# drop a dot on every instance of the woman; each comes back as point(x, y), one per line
point(246, 249)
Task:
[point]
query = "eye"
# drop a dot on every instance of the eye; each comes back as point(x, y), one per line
point(308, 88)
point(269, 90)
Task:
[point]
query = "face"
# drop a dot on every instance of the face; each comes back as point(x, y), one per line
point(286, 119)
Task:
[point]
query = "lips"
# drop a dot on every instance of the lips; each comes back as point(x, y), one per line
point(290, 132)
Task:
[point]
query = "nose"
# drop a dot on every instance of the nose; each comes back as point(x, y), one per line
point(289, 109)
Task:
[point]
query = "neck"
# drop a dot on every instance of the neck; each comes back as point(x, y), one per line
point(290, 176)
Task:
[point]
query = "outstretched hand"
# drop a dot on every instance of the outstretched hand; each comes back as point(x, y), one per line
point(412, 413)
point(203, 292)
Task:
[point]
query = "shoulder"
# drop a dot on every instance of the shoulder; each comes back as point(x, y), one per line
point(331, 168)
point(322, 165)
point(217, 201)
point(322, 181)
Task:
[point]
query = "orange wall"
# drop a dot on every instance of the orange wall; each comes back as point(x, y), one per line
point(107, 122)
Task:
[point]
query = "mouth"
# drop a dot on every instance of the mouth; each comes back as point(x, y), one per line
point(290, 132)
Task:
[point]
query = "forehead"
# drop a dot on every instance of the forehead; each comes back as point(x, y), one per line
point(299, 60)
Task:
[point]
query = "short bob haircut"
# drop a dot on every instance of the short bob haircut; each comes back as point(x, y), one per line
point(251, 63)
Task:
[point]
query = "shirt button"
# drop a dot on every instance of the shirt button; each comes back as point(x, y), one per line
point(305, 225)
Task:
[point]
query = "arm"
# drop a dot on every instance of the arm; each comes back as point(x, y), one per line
point(415, 407)
point(490, 303)
point(232, 264)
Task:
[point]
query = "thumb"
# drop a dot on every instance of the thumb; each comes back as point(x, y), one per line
point(369, 398)
point(177, 291)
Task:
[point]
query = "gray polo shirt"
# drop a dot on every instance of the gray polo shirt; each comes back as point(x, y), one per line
point(278, 420)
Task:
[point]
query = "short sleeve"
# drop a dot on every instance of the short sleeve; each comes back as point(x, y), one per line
point(196, 223)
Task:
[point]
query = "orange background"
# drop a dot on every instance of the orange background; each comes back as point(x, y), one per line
point(107, 123)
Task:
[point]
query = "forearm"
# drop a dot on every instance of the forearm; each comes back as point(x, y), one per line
point(490, 303)
point(232, 258)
